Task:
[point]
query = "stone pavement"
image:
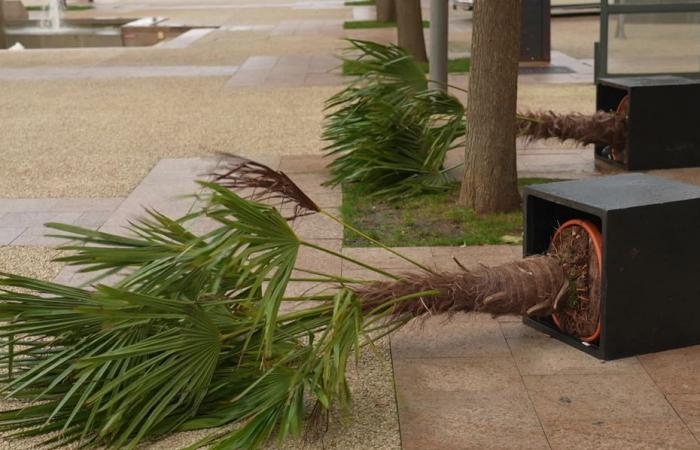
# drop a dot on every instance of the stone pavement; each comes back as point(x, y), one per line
point(468, 382)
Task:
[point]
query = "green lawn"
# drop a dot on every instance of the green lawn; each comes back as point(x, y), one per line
point(428, 220)
point(457, 65)
point(360, 3)
point(70, 7)
point(359, 24)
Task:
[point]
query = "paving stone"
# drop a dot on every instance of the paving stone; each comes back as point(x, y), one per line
point(463, 403)
point(249, 77)
point(538, 354)
point(316, 260)
point(35, 219)
point(363, 274)
point(317, 227)
point(675, 371)
point(294, 164)
point(471, 257)
point(26, 204)
point(379, 257)
point(93, 219)
point(259, 63)
point(688, 408)
point(462, 336)
point(312, 183)
point(7, 235)
point(37, 236)
point(610, 410)
point(619, 434)
point(86, 204)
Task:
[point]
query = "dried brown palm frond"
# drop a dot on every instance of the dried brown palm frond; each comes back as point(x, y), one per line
point(532, 286)
point(600, 128)
point(263, 184)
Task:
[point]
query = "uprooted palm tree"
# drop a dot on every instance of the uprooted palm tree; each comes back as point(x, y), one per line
point(390, 133)
point(197, 333)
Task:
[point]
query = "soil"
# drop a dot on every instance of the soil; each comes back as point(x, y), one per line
point(579, 315)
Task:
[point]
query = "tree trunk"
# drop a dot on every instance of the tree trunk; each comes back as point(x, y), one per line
point(532, 286)
point(490, 176)
point(410, 28)
point(3, 41)
point(386, 10)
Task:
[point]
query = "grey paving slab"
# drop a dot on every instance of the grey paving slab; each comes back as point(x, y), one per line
point(9, 234)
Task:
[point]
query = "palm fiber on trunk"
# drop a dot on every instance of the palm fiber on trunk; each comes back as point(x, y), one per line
point(601, 128)
point(528, 286)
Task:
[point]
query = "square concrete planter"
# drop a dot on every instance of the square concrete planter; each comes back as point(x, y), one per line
point(650, 286)
point(662, 132)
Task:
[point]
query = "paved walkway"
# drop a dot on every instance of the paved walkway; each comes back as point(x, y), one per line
point(470, 382)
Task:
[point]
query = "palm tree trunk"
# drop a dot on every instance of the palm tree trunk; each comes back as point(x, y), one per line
point(601, 128)
point(386, 10)
point(410, 28)
point(490, 177)
point(531, 286)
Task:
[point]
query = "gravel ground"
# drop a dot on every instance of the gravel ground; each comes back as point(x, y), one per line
point(32, 262)
point(99, 138)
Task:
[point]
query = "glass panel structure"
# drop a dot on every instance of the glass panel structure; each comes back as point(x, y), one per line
point(641, 37)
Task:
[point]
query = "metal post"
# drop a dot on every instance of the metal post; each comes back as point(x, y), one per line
point(439, 28)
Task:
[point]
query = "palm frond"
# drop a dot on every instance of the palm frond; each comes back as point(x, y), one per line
point(387, 131)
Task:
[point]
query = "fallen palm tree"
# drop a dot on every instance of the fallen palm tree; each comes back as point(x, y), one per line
point(195, 335)
point(389, 132)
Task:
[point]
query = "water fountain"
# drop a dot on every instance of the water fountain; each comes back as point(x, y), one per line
point(52, 15)
point(50, 28)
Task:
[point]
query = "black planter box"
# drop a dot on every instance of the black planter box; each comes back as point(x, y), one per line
point(650, 292)
point(662, 129)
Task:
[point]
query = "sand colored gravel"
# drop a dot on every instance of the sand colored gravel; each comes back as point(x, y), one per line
point(99, 138)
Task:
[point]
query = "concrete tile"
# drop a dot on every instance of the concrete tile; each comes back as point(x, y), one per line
point(37, 236)
point(608, 410)
point(317, 227)
point(597, 396)
point(245, 78)
point(688, 408)
point(470, 257)
point(462, 336)
point(86, 204)
point(324, 79)
point(323, 63)
point(619, 434)
point(460, 403)
point(93, 219)
point(294, 164)
point(363, 274)
point(7, 235)
point(35, 219)
point(259, 63)
point(312, 183)
point(378, 257)
point(26, 204)
point(285, 77)
point(675, 371)
point(316, 260)
point(538, 354)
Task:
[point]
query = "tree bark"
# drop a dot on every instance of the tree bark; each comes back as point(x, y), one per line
point(3, 40)
point(410, 28)
point(490, 176)
point(386, 10)
point(531, 286)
